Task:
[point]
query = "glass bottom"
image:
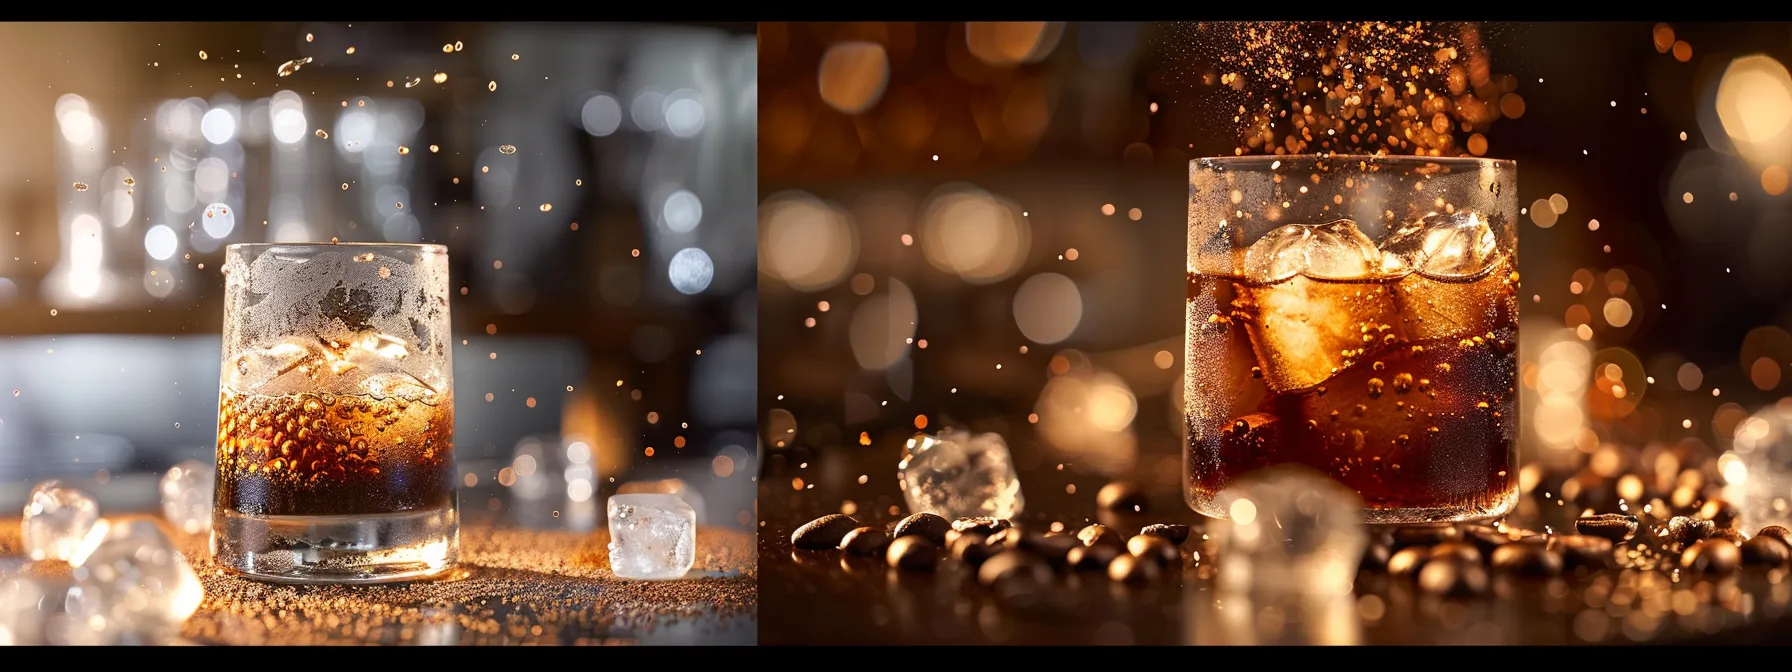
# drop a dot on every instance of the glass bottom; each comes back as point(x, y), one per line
point(352, 549)
point(1489, 508)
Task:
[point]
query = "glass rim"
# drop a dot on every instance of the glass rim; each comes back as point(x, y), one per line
point(1254, 159)
point(424, 247)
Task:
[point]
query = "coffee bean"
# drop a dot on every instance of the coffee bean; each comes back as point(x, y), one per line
point(1485, 537)
point(1731, 535)
point(1054, 550)
point(1424, 535)
point(865, 541)
point(824, 532)
point(1006, 539)
point(1776, 532)
point(1375, 557)
point(1766, 550)
point(1122, 497)
point(1012, 565)
point(1408, 561)
point(970, 549)
point(1451, 575)
point(1101, 534)
point(1527, 558)
point(924, 525)
point(913, 553)
point(1155, 549)
point(1129, 569)
point(1714, 556)
point(1720, 512)
point(981, 525)
point(1176, 534)
point(1684, 530)
point(952, 536)
point(1579, 550)
point(1614, 526)
point(1091, 558)
point(1461, 549)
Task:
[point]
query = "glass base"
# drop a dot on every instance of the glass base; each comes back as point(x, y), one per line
point(1493, 507)
point(354, 549)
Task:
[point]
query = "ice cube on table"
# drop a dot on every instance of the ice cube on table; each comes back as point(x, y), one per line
point(1758, 468)
point(668, 486)
point(1455, 282)
point(652, 536)
point(1289, 529)
point(960, 475)
point(57, 518)
point(1313, 304)
point(187, 491)
point(145, 587)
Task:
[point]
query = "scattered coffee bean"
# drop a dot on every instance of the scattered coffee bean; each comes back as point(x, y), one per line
point(1460, 549)
point(1720, 512)
point(1408, 561)
point(1122, 497)
point(1614, 526)
point(1776, 532)
point(1579, 550)
point(1714, 556)
point(1451, 575)
point(982, 525)
point(1684, 530)
point(1527, 558)
point(971, 550)
point(1176, 534)
point(924, 525)
point(1766, 550)
point(1012, 565)
point(1101, 534)
point(1091, 558)
point(1375, 556)
point(1485, 537)
point(824, 532)
point(1155, 549)
point(1053, 549)
point(1424, 535)
point(1729, 534)
point(1129, 569)
point(913, 553)
point(1011, 538)
point(952, 536)
point(865, 541)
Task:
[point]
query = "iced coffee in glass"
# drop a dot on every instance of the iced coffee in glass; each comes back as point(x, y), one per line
point(336, 414)
point(1356, 315)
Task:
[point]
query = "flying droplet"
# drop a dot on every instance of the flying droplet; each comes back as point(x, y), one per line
point(323, 134)
point(202, 56)
point(547, 206)
point(515, 56)
point(401, 205)
point(578, 183)
point(403, 150)
point(447, 48)
point(351, 50)
point(457, 45)
point(492, 85)
point(308, 37)
point(414, 81)
point(80, 186)
point(130, 182)
point(345, 186)
point(433, 149)
point(293, 66)
point(506, 149)
point(441, 77)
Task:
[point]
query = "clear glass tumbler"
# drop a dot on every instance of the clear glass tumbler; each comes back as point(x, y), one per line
point(1356, 315)
point(336, 414)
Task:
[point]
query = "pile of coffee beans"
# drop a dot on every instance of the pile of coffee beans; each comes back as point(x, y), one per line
point(1003, 551)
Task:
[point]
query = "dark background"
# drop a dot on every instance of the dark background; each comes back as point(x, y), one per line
point(1057, 121)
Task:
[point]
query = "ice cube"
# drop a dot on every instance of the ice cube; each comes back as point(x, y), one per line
point(52, 610)
point(1758, 468)
point(960, 475)
point(1455, 281)
point(1289, 530)
point(187, 496)
point(669, 486)
point(57, 518)
point(256, 369)
point(145, 587)
point(652, 536)
point(1313, 303)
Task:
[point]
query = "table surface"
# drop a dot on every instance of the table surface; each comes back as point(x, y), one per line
point(513, 586)
point(827, 597)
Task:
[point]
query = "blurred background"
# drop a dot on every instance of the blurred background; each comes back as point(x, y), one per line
point(983, 225)
point(593, 183)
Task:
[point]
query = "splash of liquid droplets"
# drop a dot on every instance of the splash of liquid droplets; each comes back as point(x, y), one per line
point(292, 66)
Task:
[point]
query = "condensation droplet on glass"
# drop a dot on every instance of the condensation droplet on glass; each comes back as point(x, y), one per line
point(556, 514)
point(506, 149)
point(400, 205)
point(129, 182)
point(80, 186)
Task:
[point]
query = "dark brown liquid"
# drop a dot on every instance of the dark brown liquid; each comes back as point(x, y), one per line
point(1402, 389)
point(308, 455)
